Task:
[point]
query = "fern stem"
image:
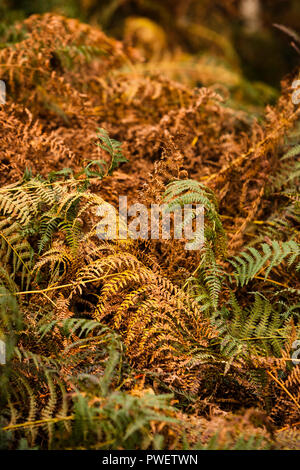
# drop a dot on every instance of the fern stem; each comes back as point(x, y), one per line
point(16, 253)
point(48, 289)
point(38, 422)
point(284, 388)
point(273, 282)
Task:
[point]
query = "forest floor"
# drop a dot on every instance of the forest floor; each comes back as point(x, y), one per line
point(130, 344)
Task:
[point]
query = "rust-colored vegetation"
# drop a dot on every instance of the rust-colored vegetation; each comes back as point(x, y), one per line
point(140, 344)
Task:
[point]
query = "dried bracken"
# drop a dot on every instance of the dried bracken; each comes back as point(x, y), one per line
point(98, 331)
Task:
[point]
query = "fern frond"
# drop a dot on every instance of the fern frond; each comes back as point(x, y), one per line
point(250, 262)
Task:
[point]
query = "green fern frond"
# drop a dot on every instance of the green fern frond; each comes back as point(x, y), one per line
point(250, 262)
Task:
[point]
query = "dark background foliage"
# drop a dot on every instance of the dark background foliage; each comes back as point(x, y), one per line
point(226, 18)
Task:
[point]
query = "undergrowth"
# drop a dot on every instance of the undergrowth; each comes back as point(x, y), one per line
point(130, 344)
